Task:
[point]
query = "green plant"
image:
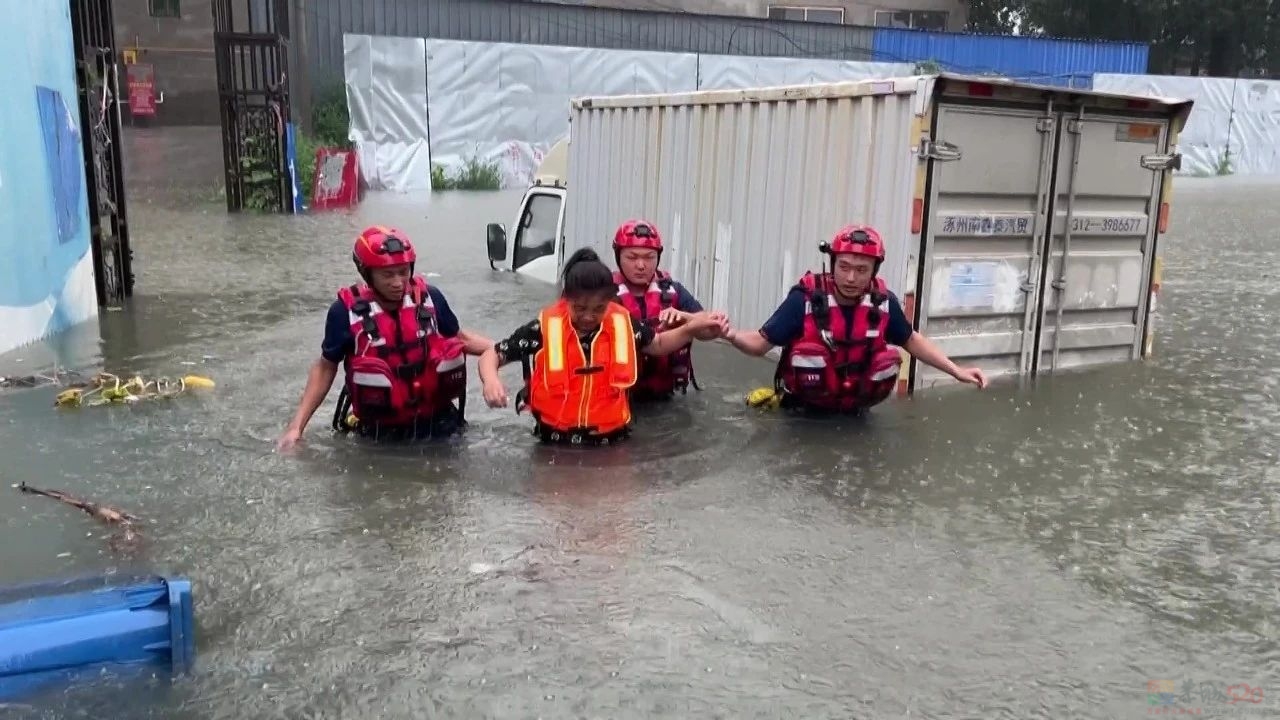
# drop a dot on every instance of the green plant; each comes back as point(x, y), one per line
point(305, 147)
point(330, 119)
point(928, 67)
point(1221, 168)
point(1224, 164)
point(439, 180)
point(475, 174)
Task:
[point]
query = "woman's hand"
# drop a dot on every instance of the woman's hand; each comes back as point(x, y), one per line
point(495, 395)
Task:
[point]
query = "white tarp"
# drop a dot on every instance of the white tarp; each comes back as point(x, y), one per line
point(1233, 119)
point(386, 79)
point(509, 102)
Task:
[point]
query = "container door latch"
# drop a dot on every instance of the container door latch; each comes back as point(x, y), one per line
point(1162, 161)
point(943, 151)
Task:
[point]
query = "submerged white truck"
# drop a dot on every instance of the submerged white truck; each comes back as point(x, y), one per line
point(1021, 221)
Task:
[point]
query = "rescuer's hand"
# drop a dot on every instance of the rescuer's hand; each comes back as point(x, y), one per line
point(673, 318)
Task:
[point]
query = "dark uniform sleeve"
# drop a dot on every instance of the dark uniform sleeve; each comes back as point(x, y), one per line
point(446, 321)
point(787, 322)
point(900, 330)
point(523, 343)
point(685, 301)
point(338, 342)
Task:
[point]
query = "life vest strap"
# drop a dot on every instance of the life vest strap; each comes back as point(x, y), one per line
point(577, 436)
point(409, 371)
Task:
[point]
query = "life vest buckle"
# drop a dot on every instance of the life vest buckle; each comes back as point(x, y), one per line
point(409, 371)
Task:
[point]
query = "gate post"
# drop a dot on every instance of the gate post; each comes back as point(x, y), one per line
point(251, 48)
point(98, 96)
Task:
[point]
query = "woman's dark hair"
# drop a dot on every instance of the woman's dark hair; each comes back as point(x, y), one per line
point(584, 274)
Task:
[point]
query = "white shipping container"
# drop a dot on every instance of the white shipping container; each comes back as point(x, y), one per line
point(1025, 217)
point(744, 184)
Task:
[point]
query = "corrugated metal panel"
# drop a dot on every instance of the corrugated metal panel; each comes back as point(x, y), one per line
point(1053, 61)
point(546, 24)
point(1041, 230)
point(745, 184)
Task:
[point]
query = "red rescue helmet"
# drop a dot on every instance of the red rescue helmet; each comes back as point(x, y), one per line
point(856, 240)
point(380, 246)
point(637, 234)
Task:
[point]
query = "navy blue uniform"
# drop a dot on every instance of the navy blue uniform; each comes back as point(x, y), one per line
point(685, 301)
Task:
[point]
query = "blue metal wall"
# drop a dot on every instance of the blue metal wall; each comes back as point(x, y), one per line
point(1051, 61)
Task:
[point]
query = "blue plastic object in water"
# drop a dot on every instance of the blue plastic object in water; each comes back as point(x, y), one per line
point(57, 630)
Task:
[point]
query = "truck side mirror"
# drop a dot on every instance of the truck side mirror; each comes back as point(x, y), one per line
point(497, 243)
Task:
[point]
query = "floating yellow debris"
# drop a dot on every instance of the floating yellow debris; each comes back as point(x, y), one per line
point(105, 389)
point(764, 397)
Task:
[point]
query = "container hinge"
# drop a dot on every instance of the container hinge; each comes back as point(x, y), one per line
point(1162, 161)
point(1044, 124)
point(942, 151)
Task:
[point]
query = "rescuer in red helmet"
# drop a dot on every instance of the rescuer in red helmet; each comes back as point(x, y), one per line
point(840, 332)
point(655, 299)
point(402, 348)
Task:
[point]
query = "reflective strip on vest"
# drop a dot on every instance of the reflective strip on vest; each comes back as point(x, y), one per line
point(371, 380)
point(555, 342)
point(451, 364)
point(624, 291)
point(808, 361)
point(621, 341)
point(885, 374)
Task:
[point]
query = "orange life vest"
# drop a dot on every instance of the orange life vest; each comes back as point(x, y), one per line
point(571, 393)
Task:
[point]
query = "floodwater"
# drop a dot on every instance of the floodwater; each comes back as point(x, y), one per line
point(1048, 551)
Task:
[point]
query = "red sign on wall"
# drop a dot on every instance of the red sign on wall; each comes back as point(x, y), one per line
point(142, 89)
point(337, 183)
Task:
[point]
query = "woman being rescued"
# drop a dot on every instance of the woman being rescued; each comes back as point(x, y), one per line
point(583, 352)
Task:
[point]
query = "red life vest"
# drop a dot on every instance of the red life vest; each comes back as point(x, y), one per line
point(834, 365)
point(660, 376)
point(402, 368)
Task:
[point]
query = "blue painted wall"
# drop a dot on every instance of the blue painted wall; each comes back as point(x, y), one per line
point(46, 275)
point(1049, 61)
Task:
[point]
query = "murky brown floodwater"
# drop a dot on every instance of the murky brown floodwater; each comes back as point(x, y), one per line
point(1041, 552)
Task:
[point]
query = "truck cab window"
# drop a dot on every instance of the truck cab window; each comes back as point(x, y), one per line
point(536, 235)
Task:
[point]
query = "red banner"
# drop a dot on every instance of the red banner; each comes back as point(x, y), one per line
point(142, 89)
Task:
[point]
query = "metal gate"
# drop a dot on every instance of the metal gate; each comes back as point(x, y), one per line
point(251, 48)
point(98, 92)
point(1040, 237)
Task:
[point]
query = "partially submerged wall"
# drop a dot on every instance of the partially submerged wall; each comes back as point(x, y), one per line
point(46, 266)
